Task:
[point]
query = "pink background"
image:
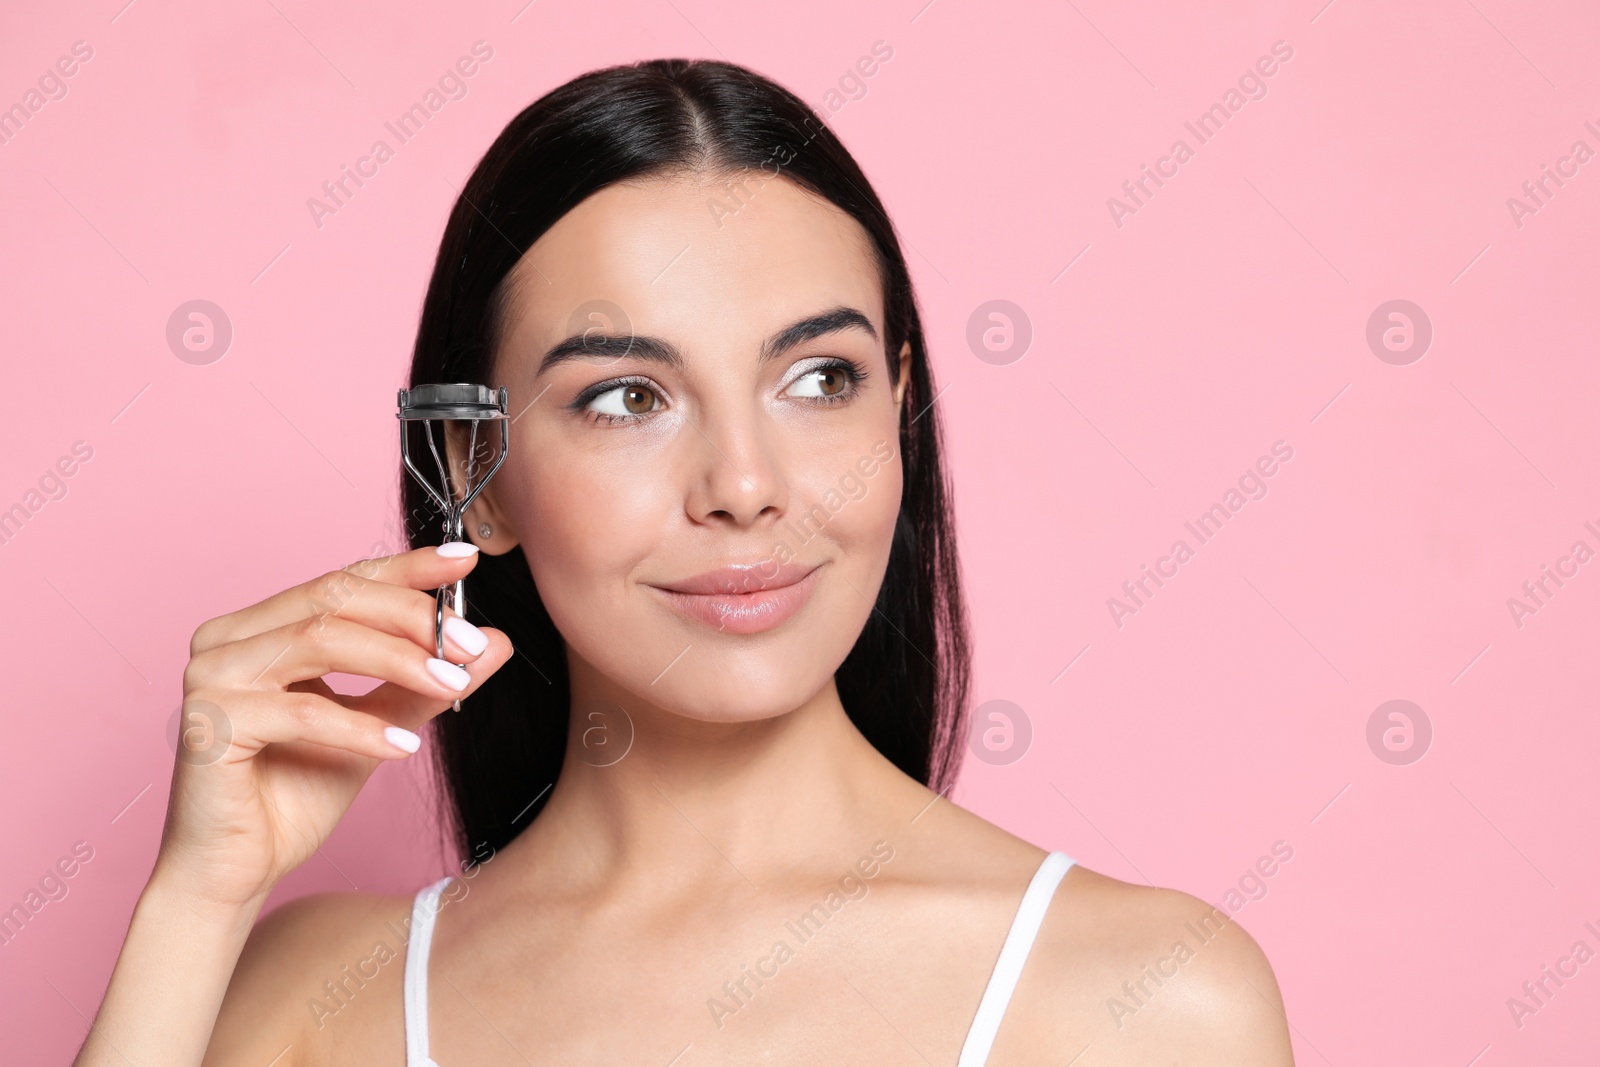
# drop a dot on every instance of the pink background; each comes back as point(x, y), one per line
point(1228, 313)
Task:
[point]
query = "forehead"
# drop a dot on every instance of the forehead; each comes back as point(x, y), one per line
point(711, 262)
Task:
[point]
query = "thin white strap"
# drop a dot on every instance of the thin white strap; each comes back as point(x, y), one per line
point(423, 910)
point(1013, 954)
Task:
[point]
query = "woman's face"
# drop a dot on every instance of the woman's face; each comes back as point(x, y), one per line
point(704, 470)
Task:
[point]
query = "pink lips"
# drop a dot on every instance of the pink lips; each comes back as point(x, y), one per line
point(743, 599)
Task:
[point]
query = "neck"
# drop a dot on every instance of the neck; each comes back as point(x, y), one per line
point(671, 800)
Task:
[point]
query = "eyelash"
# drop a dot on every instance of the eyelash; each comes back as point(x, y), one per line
point(854, 371)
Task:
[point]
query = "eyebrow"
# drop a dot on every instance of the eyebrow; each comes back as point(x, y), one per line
point(598, 344)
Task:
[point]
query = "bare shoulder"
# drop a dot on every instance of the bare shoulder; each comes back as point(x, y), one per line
point(1138, 974)
point(1143, 974)
point(319, 981)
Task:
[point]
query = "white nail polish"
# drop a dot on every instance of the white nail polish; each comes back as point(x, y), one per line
point(449, 674)
point(465, 634)
point(402, 738)
point(456, 549)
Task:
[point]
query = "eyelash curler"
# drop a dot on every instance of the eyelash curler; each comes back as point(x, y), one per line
point(428, 404)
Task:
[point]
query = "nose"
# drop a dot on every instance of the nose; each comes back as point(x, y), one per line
point(737, 477)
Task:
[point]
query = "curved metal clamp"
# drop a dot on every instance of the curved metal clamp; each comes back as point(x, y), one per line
point(472, 403)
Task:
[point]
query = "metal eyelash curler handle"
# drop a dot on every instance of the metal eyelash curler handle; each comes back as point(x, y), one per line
point(428, 404)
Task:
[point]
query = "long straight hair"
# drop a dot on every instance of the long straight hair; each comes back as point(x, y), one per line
point(904, 684)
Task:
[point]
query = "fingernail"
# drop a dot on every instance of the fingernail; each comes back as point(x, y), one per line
point(402, 738)
point(456, 549)
point(466, 635)
point(449, 674)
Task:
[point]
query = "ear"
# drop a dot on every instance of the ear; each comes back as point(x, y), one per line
point(904, 375)
point(485, 508)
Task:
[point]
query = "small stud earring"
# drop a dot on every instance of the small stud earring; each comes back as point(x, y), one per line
point(484, 529)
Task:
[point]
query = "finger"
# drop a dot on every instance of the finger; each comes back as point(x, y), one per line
point(399, 705)
point(421, 568)
point(318, 645)
point(402, 612)
point(251, 721)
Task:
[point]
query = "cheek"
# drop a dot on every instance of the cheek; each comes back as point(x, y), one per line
point(589, 523)
point(871, 503)
point(880, 508)
point(836, 502)
point(874, 473)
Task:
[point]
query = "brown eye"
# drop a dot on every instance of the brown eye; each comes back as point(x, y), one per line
point(624, 401)
point(822, 382)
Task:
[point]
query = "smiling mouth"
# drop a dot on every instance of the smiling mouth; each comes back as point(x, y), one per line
point(743, 599)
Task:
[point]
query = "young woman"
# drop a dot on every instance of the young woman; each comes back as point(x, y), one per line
point(714, 698)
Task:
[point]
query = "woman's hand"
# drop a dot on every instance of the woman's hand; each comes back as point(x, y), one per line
point(270, 757)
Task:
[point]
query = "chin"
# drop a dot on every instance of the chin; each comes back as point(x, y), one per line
point(725, 688)
point(722, 677)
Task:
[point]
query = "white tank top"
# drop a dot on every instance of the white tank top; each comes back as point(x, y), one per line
point(980, 1036)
